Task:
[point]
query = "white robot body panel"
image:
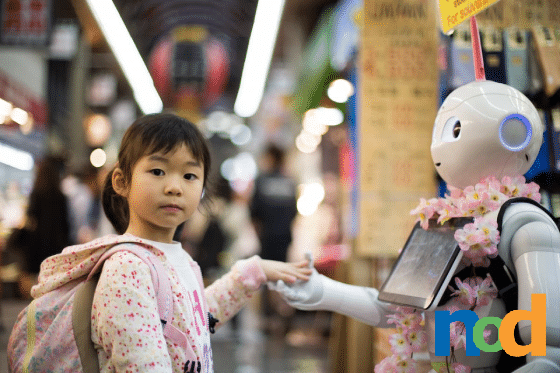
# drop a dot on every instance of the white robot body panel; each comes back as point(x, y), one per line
point(541, 267)
point(535, 251)
point(515, 217)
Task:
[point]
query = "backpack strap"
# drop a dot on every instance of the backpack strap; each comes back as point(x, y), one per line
point(83, 302)
point(81, 325)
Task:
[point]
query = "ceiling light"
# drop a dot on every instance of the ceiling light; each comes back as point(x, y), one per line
point(127, 55)
point(259, 54)
point(16, 158)
point(19, 116)
point(340, 90)
point(98, 157)
point(5, 108)
point(311, 123)
point(329, 116)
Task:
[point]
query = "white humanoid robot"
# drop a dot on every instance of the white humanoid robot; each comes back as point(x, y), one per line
point(482, 129)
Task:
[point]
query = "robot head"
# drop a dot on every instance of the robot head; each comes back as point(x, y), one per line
point(485, 129)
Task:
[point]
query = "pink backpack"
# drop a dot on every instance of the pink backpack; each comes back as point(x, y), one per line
point(53, 333)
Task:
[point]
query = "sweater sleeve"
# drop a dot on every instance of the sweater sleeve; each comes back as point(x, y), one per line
point(125, 319)
point(227, 295)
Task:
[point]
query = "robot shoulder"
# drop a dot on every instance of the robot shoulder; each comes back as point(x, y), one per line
point(524, 214)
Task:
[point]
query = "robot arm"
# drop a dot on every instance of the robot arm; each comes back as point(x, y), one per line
point(323, 293)
point(534, 243)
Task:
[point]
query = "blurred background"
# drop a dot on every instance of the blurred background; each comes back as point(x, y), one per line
point(319, 114)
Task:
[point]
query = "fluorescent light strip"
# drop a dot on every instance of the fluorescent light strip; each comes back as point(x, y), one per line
point(16, 158)
point(259, 55)
point(128, 57)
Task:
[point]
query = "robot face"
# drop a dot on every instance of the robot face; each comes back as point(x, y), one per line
point(485, 129)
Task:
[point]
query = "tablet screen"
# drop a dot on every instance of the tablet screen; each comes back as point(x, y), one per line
point(423, 266)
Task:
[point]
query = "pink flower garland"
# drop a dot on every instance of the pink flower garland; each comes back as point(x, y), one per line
point(478, 241)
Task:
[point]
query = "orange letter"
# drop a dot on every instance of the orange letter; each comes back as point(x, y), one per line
point(537, 316)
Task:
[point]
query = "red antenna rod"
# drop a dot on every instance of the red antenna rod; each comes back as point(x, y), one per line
point(477, 52)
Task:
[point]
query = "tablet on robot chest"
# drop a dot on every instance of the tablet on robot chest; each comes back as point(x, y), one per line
point(425, 266)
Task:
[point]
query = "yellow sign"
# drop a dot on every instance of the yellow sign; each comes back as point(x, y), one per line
point(454, 12)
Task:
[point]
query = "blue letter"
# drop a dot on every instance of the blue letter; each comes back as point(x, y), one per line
point(442, 326)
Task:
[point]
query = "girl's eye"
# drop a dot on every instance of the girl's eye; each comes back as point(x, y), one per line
point(190, 176)
point(157, 172)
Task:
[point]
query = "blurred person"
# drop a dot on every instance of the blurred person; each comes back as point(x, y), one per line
point(84, 194)
point(273, 206)
point(47, 222)
point(235, 218)
point(273, 209)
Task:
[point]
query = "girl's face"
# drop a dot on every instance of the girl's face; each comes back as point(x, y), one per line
point(165, 190)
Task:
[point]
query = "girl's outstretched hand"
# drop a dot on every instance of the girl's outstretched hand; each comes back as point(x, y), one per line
point(287, 272)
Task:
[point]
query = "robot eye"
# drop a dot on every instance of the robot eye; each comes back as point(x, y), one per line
point(456, 129)
point(451, 130)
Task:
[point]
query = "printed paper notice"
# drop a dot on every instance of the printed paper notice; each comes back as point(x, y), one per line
point(454, 12)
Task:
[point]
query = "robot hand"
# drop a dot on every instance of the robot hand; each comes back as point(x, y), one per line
point(303, 295)
point(323, 293)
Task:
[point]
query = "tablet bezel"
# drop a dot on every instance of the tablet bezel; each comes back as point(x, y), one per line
point(432, 301)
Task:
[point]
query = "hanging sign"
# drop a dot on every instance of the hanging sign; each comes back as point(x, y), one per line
point(25, 22)
point(454, 12)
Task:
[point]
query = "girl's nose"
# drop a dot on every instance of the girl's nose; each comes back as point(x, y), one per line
point(173, 187)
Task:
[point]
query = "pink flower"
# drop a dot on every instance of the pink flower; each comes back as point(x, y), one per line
point(443, 367)
point(455, 193)
point(416, 339)
point(465, 293)
point(485, 291)
point(511, 187)
point(468, 207)
point(460, 368)
point(476, 193)
point(468, 236)
point(396, 364)
point(447, 212)
point(385, 365)
point(489, 228)
point(457, 334)
point(424, 211)
point(406, 318)
point(405, 365)
point(486, 205)
point(399, 344)
point(531, 190)
point(478, 251)
point(495, 197)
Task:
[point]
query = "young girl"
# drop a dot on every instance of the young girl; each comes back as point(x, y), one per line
point(158, 183)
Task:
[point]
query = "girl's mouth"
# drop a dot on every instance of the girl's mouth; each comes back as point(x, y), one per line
point(171, 208)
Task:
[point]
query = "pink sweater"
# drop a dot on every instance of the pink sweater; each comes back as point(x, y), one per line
point(125, 324)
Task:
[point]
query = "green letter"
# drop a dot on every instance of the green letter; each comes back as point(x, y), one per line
point(478, 334)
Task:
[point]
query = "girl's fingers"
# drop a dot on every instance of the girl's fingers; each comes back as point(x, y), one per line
point(302, 275)
point(289, 279)
point(301, 264)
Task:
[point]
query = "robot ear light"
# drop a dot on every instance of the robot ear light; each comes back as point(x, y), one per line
point(515, 132)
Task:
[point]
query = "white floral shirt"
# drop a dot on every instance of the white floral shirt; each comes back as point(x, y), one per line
point(126, 327)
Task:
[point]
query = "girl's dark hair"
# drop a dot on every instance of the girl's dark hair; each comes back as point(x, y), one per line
point(147, 135)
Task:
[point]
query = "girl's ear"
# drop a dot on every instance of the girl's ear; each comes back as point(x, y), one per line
point(119, 183)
